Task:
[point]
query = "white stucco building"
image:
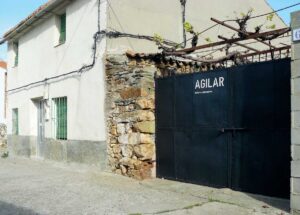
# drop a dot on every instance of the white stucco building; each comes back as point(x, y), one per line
point(2, 91)
point(55, 109)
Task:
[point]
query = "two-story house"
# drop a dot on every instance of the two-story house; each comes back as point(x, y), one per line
point(56, 67)
point(3, 76)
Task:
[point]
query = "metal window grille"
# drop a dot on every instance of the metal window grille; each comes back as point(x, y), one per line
point(60, 118)
point(63, 25)
point(15, 121)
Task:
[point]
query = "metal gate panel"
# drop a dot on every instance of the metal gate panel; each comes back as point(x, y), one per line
point(194, 153)
point(227, 128)
point(164, 124)
point(262, 115)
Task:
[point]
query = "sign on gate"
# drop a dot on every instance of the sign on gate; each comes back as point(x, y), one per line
point(207, 85)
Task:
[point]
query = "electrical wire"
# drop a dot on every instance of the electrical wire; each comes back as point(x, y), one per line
point(97, 34)
point(253, 17)
point(80, 70)
point(118, 20)
point(266, 14)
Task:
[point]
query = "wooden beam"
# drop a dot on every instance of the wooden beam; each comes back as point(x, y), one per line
point(239, 44)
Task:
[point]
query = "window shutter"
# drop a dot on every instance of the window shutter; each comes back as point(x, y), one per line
point(63, 24)
point(17, 53)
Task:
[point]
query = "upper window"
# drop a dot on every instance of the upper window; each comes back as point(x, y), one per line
point(16, 50)
point(15, 121)
point(62, 28)
point(60, 118)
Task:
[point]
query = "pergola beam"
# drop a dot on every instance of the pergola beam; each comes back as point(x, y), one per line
point(242, 32)
point(234, 40)
point(239, 44)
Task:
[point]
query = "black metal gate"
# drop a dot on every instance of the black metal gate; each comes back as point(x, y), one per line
point(227, 128)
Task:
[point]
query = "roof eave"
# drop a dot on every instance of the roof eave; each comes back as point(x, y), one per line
point(32, 19)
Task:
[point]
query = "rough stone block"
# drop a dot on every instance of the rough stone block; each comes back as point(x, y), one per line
point(134, 138)
point(147, 139)
point(144, 151)
point(127, 150)
point(144, 103)
point(296, 152)
point(123, 139)
point(295, 134)
point(295, 186)
point(144, 115)
point(295, 168)
point(133, 93)
point(145, 127)
point(295, 199)
point(121, 128)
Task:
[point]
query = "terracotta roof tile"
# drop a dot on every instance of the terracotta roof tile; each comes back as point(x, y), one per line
point(3, 65)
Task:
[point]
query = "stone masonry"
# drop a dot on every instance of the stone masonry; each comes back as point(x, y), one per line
point(130, 108)
point(295, 165)
point(3, 141)
point(130, 116)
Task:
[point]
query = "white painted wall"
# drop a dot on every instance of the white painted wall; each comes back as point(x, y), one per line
point(163, 17)
point(2, 90)
point(39, 58)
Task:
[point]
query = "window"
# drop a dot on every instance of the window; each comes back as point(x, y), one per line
point(62, 29)
point(59, 118)
point(16, 50)
point(15, 121)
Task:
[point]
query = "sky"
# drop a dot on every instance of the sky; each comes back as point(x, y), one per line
point(10, 15)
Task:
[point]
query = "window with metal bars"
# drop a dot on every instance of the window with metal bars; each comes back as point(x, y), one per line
point(60, 118)
point(15, 121)
point(62, 29)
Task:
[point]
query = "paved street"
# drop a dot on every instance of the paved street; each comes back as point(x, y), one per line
point(39, 187)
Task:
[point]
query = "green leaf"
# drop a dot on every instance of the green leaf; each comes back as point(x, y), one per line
point(243, 15)
point(270, 17)
point(207, 39)
point(158, 38)
point(271, 26)
point(188, 27)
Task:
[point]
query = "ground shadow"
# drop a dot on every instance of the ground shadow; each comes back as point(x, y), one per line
point(282, 204)
point(10, 209)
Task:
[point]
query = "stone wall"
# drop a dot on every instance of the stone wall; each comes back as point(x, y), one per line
point(295, 166)
point(130, 108)
point(130, 116)
point(3, 140)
